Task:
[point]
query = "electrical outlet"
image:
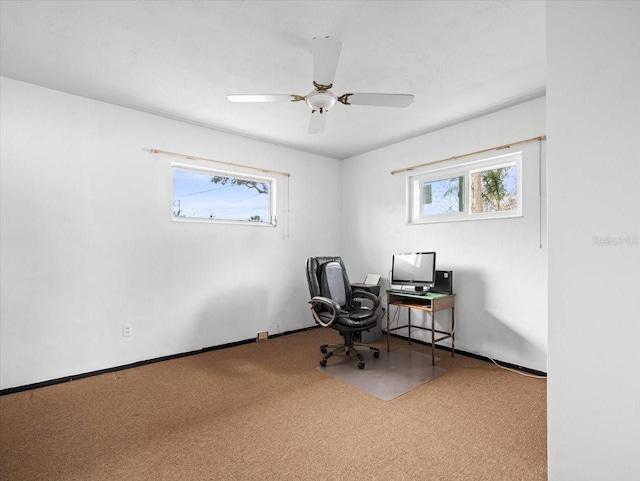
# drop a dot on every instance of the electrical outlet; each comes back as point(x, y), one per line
point(126, 330)
point(262, 336)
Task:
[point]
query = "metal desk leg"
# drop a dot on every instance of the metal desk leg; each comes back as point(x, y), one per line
point(388, 306)
point(453, 330)
point(433, 338)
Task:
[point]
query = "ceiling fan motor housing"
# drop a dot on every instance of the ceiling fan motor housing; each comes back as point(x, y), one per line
point(321, 100)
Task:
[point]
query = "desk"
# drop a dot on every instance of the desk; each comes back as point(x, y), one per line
point(430, 303)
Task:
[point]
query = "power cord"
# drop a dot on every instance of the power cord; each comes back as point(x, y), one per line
point(526, 374)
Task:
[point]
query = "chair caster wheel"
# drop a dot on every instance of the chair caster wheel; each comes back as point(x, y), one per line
point(376, 354)
point(361, 365)
point(323, 350)
point(323, 363)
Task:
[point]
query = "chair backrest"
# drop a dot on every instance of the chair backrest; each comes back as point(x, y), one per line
point(327, 277)
point(333, 284)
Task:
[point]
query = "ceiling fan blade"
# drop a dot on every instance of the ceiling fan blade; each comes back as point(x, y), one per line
point(378, 100)
point(263, 98)
point(318, 120)
point(326, 53)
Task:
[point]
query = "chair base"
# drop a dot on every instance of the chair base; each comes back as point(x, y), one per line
point(348, 347)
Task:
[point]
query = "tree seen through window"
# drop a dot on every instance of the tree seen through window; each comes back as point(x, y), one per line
point(494, 190)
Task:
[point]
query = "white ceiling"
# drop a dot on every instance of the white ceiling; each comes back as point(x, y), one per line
point(181, 58)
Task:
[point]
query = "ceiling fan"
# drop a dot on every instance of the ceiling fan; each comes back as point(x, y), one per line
point(326, 52)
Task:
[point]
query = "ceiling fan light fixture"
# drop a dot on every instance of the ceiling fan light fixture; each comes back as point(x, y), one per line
point(321, 100)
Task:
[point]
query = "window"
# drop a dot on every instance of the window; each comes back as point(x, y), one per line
point(487, 188)
point(222, 197)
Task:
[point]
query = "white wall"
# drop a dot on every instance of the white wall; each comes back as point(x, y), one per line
point(88, 243)
point(594, 304)
point(500, 268)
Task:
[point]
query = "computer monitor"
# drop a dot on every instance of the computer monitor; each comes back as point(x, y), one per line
point(417, 269)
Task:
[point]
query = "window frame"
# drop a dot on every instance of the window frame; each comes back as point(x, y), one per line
point(271, 181)
point(415, 184)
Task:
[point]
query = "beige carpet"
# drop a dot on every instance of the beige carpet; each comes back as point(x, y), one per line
point(262, 411)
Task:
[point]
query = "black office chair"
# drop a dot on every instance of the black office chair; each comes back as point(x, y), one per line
point(332, 305)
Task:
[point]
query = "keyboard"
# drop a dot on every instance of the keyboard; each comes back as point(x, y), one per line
point(411, 293)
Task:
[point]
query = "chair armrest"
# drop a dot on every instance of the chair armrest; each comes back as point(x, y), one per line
point(357, 293)
point(318, 301)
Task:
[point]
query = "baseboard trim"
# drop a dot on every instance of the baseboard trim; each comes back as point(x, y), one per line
point(122, 367)
point(508, 365)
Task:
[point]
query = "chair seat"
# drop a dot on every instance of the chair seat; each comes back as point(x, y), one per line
point(361, 314)
point(356, 320)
